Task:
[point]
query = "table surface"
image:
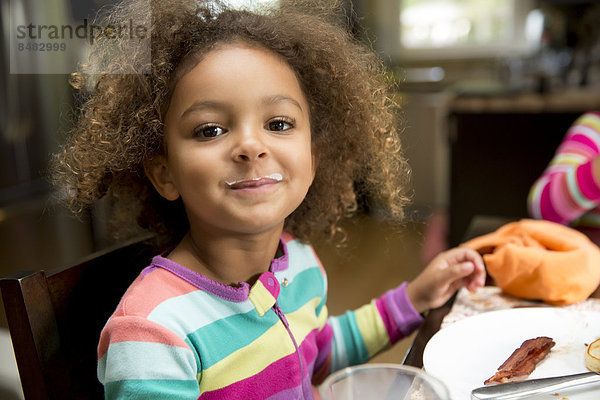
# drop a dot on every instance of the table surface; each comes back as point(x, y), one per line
point(479, 225)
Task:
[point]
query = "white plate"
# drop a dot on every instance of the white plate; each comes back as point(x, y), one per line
point(466, 353)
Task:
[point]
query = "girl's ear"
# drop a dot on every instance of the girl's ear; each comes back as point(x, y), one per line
point(157, 170)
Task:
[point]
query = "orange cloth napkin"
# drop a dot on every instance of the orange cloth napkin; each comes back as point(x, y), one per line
point(541, 260)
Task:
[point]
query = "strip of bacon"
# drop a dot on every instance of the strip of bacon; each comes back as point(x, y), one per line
point(522, 361)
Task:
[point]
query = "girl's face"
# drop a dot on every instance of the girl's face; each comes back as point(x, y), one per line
point(238, 142)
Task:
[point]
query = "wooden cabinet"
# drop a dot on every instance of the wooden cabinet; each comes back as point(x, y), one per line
point(495, 156)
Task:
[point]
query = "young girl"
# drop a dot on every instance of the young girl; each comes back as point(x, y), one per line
point(248, 138)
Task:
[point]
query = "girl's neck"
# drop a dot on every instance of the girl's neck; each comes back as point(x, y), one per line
point(227, 259)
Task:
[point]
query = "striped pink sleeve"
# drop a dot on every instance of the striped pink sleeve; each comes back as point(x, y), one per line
point(567, 189)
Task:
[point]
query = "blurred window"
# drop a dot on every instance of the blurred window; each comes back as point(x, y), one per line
point(439, 23)
point(465, 27)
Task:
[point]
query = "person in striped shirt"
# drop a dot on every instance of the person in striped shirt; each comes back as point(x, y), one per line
point(248, 137)
point(568, 191)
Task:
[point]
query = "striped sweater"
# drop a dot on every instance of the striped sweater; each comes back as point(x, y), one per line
point(179, 335)
point(567, 192)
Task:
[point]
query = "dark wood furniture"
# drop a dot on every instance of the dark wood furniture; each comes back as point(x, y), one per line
point(495, 157)
point(55, 319)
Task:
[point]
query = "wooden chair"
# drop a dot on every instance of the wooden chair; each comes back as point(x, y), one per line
point(55, 319)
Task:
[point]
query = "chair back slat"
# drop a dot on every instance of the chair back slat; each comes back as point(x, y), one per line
point(29, 332)
point(55, 319)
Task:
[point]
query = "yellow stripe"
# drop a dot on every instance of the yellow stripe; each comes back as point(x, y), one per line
point(571, 159)
point(372, 328)
point(591, 119)
point(261, 353)
point(322, 317)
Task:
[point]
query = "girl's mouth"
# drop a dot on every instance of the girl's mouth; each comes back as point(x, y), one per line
point(254, 182)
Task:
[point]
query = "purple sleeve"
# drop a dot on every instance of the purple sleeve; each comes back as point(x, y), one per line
point(399, 316)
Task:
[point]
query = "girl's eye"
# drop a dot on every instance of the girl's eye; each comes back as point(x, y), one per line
point(208, 131)
point(280, 125)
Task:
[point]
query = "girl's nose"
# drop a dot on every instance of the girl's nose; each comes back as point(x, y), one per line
point(249, 147)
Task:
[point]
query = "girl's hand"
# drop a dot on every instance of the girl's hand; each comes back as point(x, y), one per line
point(445, 274)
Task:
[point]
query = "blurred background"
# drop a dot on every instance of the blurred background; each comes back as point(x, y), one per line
point(487, 87)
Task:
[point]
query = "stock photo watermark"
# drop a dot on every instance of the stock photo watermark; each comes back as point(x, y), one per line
point(56, 43)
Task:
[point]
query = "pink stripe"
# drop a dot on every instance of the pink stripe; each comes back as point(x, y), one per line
point(309, 351)
point(568, 145)
point(294, 393)
point(546, 207)
point(586, 182)
point(270, 283)
point(152, 287)
point(390, 325)
point(287, 237)
point(146, 293)
point(323, 339)
point(282, 375)
point(585, 141)
point(572, 148)
point(561, 199)
point(276, 378)
point(120, 329)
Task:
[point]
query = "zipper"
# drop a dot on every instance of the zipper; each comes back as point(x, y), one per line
point(285, 322)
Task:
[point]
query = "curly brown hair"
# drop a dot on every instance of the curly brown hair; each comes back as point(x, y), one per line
point(120, 126)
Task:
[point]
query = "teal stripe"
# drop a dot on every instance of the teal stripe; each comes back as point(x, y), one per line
point(175, 312)
point(214, 346)
point(321, 305)
point(217, 317)
point(152, 390)
point(146, 360)
point(353, 340)
point(301, 258)
point(294, 296)
point(224, 337)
